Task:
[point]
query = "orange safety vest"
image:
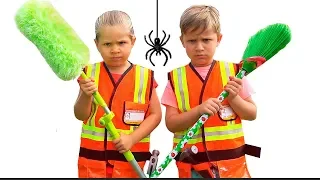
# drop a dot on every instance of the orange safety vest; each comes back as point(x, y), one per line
point(220, 142)
point(131, 93)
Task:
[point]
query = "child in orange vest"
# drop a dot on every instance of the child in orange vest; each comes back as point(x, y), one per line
point(129, 91)
point(192, 90)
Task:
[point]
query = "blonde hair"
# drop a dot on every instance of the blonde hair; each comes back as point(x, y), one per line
point(112, 18)
point(200, 16)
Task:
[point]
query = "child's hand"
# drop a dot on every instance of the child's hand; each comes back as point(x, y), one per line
point(233, 87)
point(210, 106)
point(124, 143)
point(87, 86)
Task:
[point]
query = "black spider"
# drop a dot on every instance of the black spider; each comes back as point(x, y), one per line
point(157, 47)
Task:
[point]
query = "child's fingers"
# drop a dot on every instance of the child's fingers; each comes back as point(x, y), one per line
point(123, 151)
point(214, 105)
point(215, 100)
point(116, 141)
point(119, 146)
point(233, 88)
point(94, 90)
point(121, 133)
point(231, 78)
point(91, 92)
point(237, 80)
point(211, 110)
point(230, 91)
point(85, 81)
point(235, 84)
point(91, 88)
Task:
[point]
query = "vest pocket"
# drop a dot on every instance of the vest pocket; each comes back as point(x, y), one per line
point(134, 113)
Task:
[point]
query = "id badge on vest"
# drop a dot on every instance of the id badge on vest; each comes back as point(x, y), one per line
point(134, 113)
point(134, 117)
point(226, 113)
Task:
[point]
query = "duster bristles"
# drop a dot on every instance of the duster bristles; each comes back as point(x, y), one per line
point(266, 43)
point(57, 42)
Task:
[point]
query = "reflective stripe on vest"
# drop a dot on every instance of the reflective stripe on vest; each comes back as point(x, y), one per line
point(94, 72)
point(181, 88)
point(231, 131)
point(141, 82)
point(89, 130)
point(226, 70)
point(213, 134)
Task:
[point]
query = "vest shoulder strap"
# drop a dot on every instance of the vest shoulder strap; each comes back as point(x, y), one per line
point(179, 85)
point(169, 74)
point(144, 69)
point(143, 75)
point(93, 71)
point(227, 69)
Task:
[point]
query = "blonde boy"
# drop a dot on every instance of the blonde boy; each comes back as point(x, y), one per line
point(191, 92)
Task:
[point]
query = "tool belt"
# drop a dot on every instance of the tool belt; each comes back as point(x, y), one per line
point(218, 155)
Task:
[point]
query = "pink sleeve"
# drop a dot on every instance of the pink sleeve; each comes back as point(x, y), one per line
point(247, 89)
point(168, 97)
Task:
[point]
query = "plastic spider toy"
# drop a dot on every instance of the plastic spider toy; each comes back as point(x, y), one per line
point(157, 47)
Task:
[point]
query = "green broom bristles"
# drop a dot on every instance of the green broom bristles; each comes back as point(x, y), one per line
point(57, 42)
point(266, 43)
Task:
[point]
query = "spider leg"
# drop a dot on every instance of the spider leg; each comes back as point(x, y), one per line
point(145, 38)
point(167, 51)
point(166, 56)
point(150, 37)
point(162, 44)
point(163, 37)
point(150, 57)
point(148, 52)
point(158, 52)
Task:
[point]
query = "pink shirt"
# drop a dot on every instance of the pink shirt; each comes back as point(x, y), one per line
point(169, 98)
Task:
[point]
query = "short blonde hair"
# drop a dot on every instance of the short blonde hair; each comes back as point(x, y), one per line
point(200, 16)
point(112, 18)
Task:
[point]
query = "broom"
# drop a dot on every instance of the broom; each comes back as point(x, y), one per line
point(63, 51)
point(261, 47)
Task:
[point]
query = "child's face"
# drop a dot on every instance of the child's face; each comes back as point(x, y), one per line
point(200, 46)
point(114, 44)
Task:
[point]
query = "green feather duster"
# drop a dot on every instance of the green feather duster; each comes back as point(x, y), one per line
point(58, 43)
